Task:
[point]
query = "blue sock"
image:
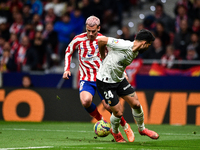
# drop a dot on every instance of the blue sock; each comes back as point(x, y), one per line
point(91, 108)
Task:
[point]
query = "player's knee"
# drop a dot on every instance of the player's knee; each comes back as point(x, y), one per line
point(136, 106)
point(118, 113)
point(86, 102)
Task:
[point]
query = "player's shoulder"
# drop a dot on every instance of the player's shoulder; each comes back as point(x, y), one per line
point(99, 35)
point(81, 36)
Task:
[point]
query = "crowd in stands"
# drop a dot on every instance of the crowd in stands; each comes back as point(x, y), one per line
point(176, 38)
point(35, 33)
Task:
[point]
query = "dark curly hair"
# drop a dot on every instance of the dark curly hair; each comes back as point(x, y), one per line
point(145, 35)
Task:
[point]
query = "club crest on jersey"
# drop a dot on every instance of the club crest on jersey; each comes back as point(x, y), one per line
point(115, 41)
point(109, 102)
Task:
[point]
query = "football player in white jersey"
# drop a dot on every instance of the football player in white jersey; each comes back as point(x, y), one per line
point(89, 63)
point(112, 83)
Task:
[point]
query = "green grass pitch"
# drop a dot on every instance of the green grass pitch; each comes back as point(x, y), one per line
point(80, 136)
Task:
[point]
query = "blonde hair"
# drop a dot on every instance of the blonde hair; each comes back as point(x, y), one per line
point(92, 21)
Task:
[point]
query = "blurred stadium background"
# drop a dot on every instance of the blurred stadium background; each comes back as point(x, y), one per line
point(166, 78)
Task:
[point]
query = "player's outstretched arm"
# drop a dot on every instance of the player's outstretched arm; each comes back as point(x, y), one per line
point(66, 74)
point(102, 41)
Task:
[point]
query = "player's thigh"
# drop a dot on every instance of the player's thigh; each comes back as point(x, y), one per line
point(132, 100)
point(100, 96)
point(106, 106)
point(86, 96)
point(86, 91)
point(108, 92)
point(126, 91)
point(117, 110)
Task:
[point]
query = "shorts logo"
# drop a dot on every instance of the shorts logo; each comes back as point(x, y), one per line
point(81, 85)
point(126, 87)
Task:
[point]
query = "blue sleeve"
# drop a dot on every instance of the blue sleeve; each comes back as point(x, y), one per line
point(63, 28)
point(37, 7)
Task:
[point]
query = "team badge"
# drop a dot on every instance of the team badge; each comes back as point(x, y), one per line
point(115, 41)
point(109, 102)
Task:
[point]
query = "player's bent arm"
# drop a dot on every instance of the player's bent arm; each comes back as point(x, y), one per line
point(102, 41)
point(126, 76)
point(68, 53)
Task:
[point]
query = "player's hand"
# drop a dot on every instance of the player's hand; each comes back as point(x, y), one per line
point(66, 74)
point(126, 76)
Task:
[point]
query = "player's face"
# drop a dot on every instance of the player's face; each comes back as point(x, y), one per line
point(92, 32)
point(144, 47)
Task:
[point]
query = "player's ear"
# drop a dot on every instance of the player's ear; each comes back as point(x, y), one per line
point(144, 42)
point(99, 28)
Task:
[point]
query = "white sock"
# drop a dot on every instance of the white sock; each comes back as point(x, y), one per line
point(125, 126)
point(115, 121)
point(138, 115)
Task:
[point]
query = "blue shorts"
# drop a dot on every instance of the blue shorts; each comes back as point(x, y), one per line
point(90, 87)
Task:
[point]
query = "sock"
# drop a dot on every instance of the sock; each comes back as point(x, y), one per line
point(138, 115)
point(123, 121)
point(92, 110)
point(125, 126)
point(115, 123)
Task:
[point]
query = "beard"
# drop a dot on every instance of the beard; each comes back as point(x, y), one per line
point(143, 50)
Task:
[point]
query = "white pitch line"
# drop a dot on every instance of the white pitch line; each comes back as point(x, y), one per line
point(22, 129)
point(102, 148)
point(38, 147)
point(180, 134)
point(48, 130)
point(69, 147)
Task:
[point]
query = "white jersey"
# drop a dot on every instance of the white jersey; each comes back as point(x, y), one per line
point(119, 56)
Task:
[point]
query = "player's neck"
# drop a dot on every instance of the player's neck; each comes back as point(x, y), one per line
point(137, 45)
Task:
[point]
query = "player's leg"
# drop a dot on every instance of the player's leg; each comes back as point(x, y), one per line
point(124, 88)
point(86, 97)
point(115, 122)
point(138, 115)
point(107, 107)
point(111, 98)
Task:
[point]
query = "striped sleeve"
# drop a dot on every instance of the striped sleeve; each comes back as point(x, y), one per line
point(68, 53)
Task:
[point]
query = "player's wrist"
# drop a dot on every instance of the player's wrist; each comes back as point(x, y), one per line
point(67, 70)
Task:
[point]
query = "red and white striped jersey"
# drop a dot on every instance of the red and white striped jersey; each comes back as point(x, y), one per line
point(89, 56)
